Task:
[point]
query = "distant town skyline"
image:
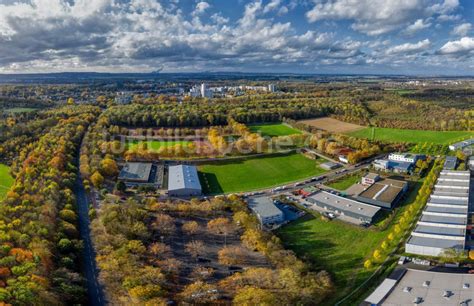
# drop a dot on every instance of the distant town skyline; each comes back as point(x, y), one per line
point(415, 37)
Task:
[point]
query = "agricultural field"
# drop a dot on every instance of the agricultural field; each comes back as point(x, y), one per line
point(273, 130)
point(6, 180)
point(413, 136)
point(156, 144)
point(345, 182)
point(332, 125)
point(256, 173)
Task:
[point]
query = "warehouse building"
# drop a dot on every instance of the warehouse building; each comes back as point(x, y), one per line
point(398, 162)
point(444, 220)
point(426, 288)
point(329, 165)
point(183, 181)
point(450, 163)
point(343, 206)
point(384, 193)
point(461, 145)
point(142, 174)
point(266, 210)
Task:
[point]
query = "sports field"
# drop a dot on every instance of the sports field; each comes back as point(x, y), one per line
point(156, 144)
point(413, 136)
point(273, 130)
point(256, 173)
point(5, 180)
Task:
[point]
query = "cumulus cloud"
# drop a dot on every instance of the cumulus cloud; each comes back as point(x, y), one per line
point(461, 47)
point(462, 29)
point(201, 7)
point(376, 17)
point(409, 47)
point(418, 25)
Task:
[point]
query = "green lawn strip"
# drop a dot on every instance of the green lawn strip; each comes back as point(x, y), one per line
point(340, 248)
point(6, 180)
point(15, 110)
point(346, 181)
point(413, 136)
point(273, 130)
point(156, 144)
point(256, 173)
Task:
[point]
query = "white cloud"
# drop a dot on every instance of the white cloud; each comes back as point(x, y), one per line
point(201, 7)
point(271, 6)
point(462, 29)
point(418, 25)
point(409, 47)
point(459, 47)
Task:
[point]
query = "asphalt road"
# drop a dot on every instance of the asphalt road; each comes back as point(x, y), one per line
point(94, 289)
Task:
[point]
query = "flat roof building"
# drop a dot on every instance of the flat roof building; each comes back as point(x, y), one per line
point(426, 288)
point(267, 212)
point(344, 206)
point(141, 174)
point(183, 181)
point(450, 163)
point(444, 219)
point(384, 193)
point(461, 145)
point(329, 165)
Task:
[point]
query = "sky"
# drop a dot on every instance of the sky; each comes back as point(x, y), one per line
point(416, 37)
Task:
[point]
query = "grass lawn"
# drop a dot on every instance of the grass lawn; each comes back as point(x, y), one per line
point(273, 130)
point(345, 182)
point(414, 136)
point(256, 173)
point(5, 180)
point(20, 110)
point(156, 144)
point(339, 248)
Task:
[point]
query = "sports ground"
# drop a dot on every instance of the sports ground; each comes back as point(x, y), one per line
point(249, 174)
point(273, 130)
point(156, 144)
point(6, 180)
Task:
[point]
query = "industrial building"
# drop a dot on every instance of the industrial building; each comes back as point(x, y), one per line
point(343, 206)
point(398, 162)
point(444, 220)
point(461, 145)
point(141, 174)
point(183, 181)
point(266, 210)
point(450, 163)
point(424, 287)
point(329, 165)
point(370, 178)
point(384, 192)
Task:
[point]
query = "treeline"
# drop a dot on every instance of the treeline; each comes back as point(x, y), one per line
point(213, 112)
point(39, 240)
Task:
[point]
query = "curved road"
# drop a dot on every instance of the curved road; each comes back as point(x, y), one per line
point(95, 292)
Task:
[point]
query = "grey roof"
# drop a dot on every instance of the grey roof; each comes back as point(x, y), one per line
point(264, 207)
point(462, 144)
point(344, 204)
point(435, 242)
point(459, 201)
point(447, 210)
point(449, 191)
point(183, 177)
point(372, 175)
point(135, 172)
point(381, 292)
point(450, 162)
point(449, 231)
point(443, 219)
point(439, 282)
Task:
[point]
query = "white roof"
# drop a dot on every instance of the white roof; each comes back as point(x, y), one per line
point(381, 292)
point(183, 177)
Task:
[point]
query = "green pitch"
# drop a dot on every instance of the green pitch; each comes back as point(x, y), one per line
point(273, 130)
point(256, 173)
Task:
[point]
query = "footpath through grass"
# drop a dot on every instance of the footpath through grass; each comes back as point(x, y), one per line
point(273, 130)
point(340, 248)
point(249, 174)
point(413, 136)
point(156, 144)
point(6, 180)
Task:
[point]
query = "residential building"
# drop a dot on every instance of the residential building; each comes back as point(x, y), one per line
point(265, 210)
point(344, 206)
point(271, 88)
point(183, 181)
point(444, 220)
